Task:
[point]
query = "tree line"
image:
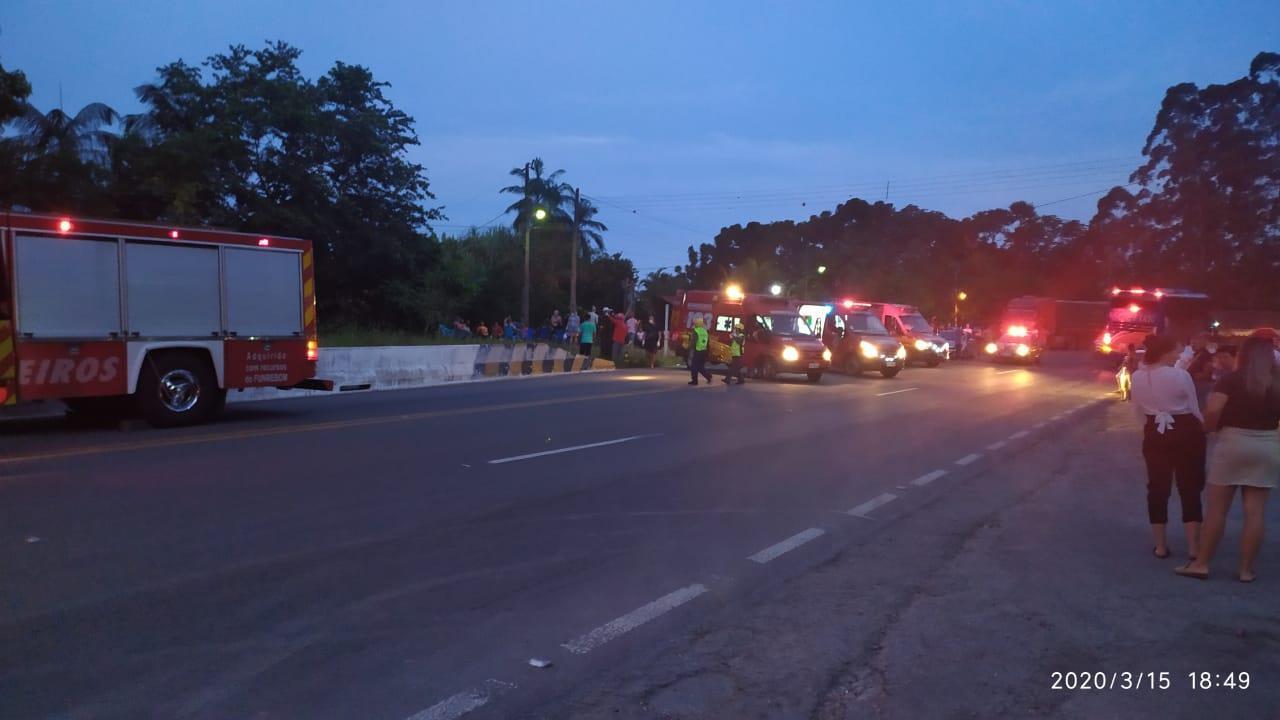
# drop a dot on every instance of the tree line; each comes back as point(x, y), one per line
point(1201, 212)
point(245, 141)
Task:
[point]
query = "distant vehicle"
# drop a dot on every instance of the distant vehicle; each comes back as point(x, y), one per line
point(105, 315)
point(856, 337)
point(1057, 324)
point(779, 340)
point(1017, 344)
point(916, 334)
point(1137, 312)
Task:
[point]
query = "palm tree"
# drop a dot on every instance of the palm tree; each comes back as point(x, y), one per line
point(536, 191)
point(81, 135)
point(586, 232)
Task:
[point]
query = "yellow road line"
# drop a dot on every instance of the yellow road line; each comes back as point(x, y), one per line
point(313, 427)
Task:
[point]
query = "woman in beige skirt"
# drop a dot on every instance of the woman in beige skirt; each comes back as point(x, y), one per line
point(1245, 407)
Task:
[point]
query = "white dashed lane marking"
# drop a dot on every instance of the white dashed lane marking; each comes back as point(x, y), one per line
point(996, 445)
point(967, 459)
point(633, 620)
point(895, 392)
point(1006, 372)
point(787, 545)
point(1019, 435)
point(875, 502)
point(456, 706)
point(928, 478)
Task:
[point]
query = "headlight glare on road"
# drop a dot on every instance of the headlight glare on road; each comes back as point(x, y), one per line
point(826, 354)
point(1022, 350)
point(901, 352)
point(922, 345)
point(868, 350)
point(790, 354)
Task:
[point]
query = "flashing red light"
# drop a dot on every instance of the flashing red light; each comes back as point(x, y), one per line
point(263, 242)
point(1115, 291)
point(1159, 294)
point(847, 303)
point(1017, 331)
point(173, 234)
point(1137, 291)
point(1134, 308)
point(64, 225)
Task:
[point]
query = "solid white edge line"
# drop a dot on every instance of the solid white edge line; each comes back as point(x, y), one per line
point(572, 448)
point(1006, 372)
point(633, 619)
point(971, 457)
point(1019, 435)
point(455, 706)
point(895, 392)
point(1039, 425)
point(928, 478)
point(791, 543)
point(997, 444)
point(875, 502)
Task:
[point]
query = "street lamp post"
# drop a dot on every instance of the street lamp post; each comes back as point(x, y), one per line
point(538, 214)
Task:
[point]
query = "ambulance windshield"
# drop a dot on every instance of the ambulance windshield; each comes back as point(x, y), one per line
point(786, 324)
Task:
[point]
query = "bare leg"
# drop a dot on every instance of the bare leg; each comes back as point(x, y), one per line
point(1193, 538)
point(1254, 500)
point(1215, 522)
point(1159, 534)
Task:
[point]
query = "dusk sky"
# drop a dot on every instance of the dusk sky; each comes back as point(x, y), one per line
point(683, 117)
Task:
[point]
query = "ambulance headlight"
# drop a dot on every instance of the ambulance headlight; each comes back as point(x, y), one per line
point(868, 350)
point(922, 345)
point(1022, 350)
point(826, 354)
point(991, 348)
point(790, 354)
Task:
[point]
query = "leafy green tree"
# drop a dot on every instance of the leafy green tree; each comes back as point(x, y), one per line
point(586, 231)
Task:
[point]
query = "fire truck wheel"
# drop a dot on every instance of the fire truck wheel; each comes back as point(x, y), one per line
point(890, 372)
point(852, 367)
point(177, 388)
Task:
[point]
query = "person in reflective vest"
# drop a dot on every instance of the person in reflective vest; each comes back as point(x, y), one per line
point(736, 340)
point(699, 340)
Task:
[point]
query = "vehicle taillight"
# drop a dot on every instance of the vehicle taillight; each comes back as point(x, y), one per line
point(64, 225)
point(313, 350)
point(173, 234)
point(1134, 308)
point(263, 242)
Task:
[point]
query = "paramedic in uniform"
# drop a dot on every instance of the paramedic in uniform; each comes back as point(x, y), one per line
point(699, 341)
point(736, 339)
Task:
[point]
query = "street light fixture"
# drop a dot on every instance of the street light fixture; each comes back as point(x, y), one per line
point(962, 296)
point(822, 269)
point(540, 214)
point(775, 289)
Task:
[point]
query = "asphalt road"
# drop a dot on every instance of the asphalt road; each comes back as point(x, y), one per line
point(406, 554)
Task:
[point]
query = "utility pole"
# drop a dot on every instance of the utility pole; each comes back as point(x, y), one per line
point(577, 247)
point(528, 226)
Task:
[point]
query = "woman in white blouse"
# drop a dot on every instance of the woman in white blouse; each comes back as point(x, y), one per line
point(1173, 441)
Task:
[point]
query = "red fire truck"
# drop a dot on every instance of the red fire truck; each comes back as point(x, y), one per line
point(105, 315)
point(779, 339)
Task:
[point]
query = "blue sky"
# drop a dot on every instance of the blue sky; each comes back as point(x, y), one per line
point(683, 117)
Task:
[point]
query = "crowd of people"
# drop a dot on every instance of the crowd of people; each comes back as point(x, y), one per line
point(1183, 396)
point(612, 333)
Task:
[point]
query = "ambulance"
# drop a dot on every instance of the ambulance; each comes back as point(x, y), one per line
point(780, 340)
point(110, 316)
point(916, 334)
point(857, 339)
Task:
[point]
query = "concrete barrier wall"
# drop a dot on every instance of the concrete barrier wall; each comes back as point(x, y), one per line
point(401, 367)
